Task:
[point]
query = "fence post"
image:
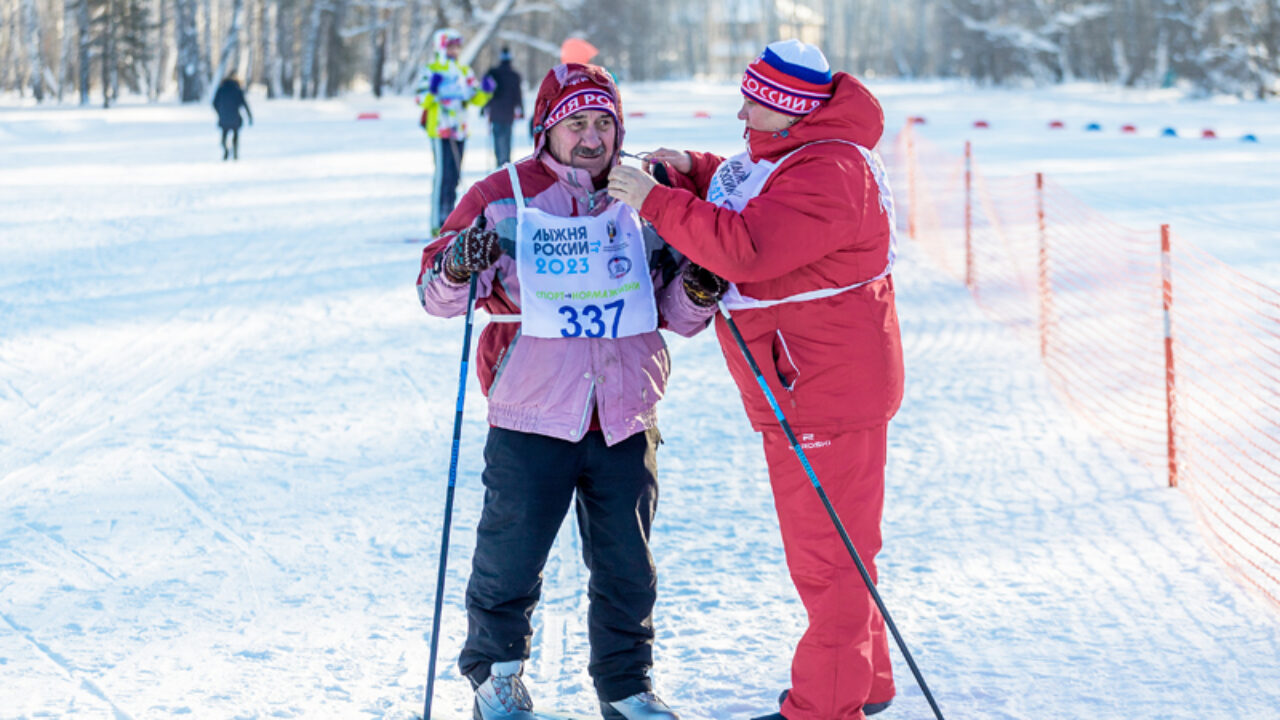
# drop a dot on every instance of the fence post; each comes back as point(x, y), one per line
point(911, 180)
point(1166, 272)
point(1043, 283)
point(968, 215)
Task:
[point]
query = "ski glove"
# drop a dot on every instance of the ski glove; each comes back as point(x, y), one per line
point(489, 84)
point(703, 287)
point(474, 250)
point(436, 80)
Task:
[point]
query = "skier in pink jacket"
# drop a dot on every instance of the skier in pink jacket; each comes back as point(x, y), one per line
point(572, 364)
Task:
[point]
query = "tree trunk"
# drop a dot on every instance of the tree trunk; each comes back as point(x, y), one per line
point(161, 60)
point(108, 50)
point(35, 61)
point(85, 41)
point(482, 36)
point(334, 49)
point(286, 23)
point(190, 75)
point(271, 51)
point(1121, 61)
point(248, 51)
point(262, 44)
point(206, 41)
point(64, 56)
point(310, 43)
point(231, 47)
point(769, 23)
point(6, 47)
point(379, 52)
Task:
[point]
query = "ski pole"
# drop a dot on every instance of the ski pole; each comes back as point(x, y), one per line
point(453, 479)
point(831, 511)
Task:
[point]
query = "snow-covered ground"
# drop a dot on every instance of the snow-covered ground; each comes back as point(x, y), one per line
point(225, 426)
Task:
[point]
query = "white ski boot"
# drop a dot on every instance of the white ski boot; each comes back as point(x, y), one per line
point(641, 706)
point(503, 696)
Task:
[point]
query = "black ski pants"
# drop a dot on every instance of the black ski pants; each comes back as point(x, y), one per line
point(447, 154)
point(234, 150)
point(529, 481)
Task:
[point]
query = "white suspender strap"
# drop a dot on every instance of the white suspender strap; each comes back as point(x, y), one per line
point(518, 195)
point(516, 192)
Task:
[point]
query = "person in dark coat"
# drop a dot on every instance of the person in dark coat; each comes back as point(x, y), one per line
point(227, 101)
point(506, 106)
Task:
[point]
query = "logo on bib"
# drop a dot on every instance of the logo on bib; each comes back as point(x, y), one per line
point(727, 180)
point(619, 266)
point(560, 241)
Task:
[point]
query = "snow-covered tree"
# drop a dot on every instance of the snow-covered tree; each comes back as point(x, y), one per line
point(313, 48)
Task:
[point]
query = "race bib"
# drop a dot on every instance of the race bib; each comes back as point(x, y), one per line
point(737, 181)
point(584, 276)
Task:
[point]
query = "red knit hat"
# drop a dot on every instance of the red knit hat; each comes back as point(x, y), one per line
point(790, 77)
point(571, 88)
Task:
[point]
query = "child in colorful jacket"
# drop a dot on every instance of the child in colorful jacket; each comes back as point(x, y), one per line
point(446, 89)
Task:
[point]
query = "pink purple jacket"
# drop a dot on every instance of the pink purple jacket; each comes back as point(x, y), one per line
point(550, 386)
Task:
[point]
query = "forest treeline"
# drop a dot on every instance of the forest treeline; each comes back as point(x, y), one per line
point(91, 51)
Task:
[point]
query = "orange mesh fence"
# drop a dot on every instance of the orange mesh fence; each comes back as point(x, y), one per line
point(1168, 351)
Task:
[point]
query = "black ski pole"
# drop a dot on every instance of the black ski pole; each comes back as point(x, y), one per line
point(835, 519)
point(448, 499)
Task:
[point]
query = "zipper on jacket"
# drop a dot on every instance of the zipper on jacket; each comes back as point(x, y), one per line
point(586, 412)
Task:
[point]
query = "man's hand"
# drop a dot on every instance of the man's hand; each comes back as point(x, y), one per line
point(630, 185)
point(473, 251)
point(703, 287)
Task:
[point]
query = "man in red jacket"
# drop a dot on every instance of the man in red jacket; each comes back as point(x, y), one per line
point(801, 225)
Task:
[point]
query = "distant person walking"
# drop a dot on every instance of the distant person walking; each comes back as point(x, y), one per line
point(444, 92)
point(227, 101)
point(506, 106)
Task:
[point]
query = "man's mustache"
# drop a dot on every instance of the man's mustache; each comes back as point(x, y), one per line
point(588, 152)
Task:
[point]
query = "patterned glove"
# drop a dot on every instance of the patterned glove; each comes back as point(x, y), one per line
point(703, 287)
point(474, 250)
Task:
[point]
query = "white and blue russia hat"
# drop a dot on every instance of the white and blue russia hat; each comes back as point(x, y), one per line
point(790, 77)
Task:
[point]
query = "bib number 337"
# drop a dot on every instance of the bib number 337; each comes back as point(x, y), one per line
point(591, 321)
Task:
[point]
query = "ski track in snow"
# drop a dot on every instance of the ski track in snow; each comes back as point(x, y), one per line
point(225, 428)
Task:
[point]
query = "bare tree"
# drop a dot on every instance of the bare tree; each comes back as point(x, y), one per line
point(35, 63)
point(231, 46)
point(318, 48)
point(190, 78)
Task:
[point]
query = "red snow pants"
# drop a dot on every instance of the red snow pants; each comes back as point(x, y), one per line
point(842, 661)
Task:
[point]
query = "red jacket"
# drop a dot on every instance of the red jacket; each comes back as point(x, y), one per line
point(835, 363)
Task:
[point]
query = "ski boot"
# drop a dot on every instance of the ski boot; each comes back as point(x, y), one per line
point(641, 706)
point(502, 696)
